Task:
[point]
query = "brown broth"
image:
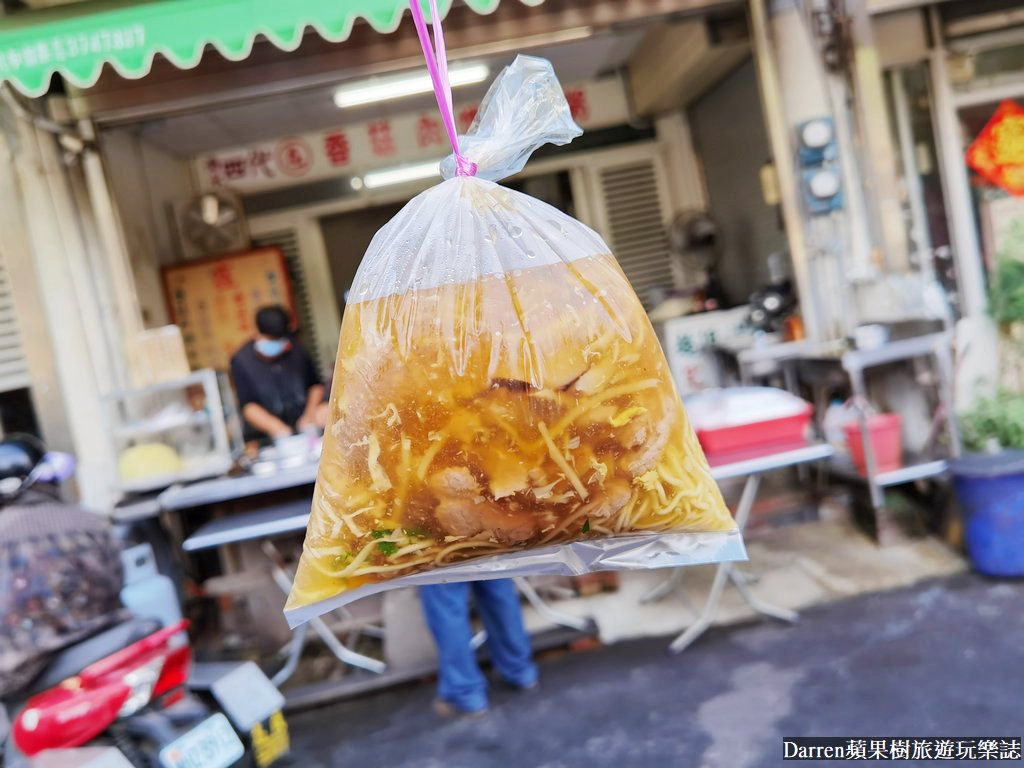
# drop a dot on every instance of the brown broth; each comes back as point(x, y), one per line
point(515, 411)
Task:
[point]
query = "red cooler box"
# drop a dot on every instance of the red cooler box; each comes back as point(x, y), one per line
point(745, 422)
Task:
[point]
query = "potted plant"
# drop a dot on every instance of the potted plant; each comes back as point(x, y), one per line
point(989, 480)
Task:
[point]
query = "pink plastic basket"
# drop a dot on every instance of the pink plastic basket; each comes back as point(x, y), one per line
point(884, 430)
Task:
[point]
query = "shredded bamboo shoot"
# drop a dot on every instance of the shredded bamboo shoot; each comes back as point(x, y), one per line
point(514, 411)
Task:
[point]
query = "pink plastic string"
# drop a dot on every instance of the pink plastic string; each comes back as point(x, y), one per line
point(437, 65)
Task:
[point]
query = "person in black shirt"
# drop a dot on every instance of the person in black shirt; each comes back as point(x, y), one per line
point(278, 387)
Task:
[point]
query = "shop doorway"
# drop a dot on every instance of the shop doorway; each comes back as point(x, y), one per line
point(555, 189)
point(347, 235)
point(732, 143)
point(346, 238)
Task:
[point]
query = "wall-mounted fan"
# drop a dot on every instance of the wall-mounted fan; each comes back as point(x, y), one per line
point(212, 223)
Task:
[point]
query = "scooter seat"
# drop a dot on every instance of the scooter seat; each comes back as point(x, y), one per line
point(74, 659)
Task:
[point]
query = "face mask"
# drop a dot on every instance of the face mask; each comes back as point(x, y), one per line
point(271, 347)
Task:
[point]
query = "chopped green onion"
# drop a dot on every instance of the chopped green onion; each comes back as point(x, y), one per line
point(387, 547)
point(380, 533)
point(586, 525)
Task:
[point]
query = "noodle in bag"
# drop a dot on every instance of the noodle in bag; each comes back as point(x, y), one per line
point(499, 389)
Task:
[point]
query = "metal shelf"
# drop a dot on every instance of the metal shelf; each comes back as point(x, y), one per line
point(225, 488)
point(913, 472)
point(759, 464)
point(894, 351)
point(917, 469)
point(212, 465)
point(937, 346)
point(193, 379)
point(155, 426)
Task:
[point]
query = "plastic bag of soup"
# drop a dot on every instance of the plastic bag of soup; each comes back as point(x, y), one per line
point(501, 403)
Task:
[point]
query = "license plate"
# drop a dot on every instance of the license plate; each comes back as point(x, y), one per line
point(211, 744)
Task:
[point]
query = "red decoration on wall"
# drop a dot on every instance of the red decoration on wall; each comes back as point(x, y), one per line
point(997, 154)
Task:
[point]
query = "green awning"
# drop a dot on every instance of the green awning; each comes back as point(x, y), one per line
point(77, 40)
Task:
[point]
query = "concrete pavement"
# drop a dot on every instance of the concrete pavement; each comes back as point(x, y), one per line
point(944, 658)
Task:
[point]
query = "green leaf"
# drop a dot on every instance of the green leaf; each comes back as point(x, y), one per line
point(380, 533)
point(1006, 282)
point(1007, 291)
point(1000, 418)
point(586, 525)
point(387, 547)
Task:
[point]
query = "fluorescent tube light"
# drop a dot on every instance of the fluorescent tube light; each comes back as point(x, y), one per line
point(401, 174)
point(388, 87)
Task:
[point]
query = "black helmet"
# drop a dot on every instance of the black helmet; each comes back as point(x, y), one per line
point(19, 455)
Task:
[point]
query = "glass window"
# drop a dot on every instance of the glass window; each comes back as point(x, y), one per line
point(986, 68)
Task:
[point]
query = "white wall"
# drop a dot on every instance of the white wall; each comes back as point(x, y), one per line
point(145, 182)
point(56, 273)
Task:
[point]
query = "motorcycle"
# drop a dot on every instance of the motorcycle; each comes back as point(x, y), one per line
point(134, 688)
point(125, 687)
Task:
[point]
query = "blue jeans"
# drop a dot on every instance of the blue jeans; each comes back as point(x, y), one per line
point(446, 607)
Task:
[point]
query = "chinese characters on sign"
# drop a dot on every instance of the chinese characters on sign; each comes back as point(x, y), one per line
point(214, 301)
point(336, 148)
point(224, 170)
point(465, 118)
point(688, 343)
point(384, 142)
point(998, 151)
point(577, 100)
point(429, 132)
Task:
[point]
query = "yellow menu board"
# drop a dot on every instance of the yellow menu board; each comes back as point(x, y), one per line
point(214, 301)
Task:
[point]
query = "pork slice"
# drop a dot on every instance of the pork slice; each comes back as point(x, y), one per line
point(508, 527)
point(453, 481)
point(458, 517)
point(463, 517)
point(635, 433)
point(645, 457)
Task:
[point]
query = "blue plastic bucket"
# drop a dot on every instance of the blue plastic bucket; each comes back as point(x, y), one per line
point(991, 493)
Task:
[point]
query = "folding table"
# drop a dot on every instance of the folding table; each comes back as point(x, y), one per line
point(291, 518)
point(753, 469)
point(278, 520)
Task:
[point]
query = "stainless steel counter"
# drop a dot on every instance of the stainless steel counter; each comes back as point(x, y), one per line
point(215, 490)
point(228, 488)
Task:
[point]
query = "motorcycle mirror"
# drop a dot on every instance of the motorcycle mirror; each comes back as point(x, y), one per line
point(56, 467)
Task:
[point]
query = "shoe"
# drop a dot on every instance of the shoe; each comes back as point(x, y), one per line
point(531, 686)
point(446, 709)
